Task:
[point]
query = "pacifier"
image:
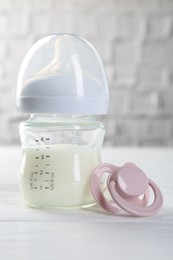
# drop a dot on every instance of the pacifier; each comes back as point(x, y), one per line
point(129, 188)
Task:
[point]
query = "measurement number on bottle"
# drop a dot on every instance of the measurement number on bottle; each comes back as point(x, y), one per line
point(42, 180)
point(41, 177)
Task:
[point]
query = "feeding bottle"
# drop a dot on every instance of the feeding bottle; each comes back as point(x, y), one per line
point(62, 85)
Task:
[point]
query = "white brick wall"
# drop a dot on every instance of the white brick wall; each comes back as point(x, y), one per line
point(135, 41)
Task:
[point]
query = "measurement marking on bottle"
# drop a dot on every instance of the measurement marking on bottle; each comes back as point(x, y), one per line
point(37, 149)
point(47, 172)
point(35, 188)
point(47, 164)
point(37, 140)
point(37, 157)
point(47, 147)
point(47, 156)
point(48, 139)
point(35, 172)
point(47, 188)
point(46, 180)
point(35, 180)
point(36, 165)
point(52, 186)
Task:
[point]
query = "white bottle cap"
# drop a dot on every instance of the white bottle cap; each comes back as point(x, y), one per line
point(62, 74)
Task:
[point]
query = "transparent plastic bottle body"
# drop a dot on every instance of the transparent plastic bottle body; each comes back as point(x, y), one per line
point(59, 155)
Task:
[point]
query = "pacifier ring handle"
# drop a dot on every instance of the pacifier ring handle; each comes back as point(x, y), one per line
point(136, 210)
point(95, 187)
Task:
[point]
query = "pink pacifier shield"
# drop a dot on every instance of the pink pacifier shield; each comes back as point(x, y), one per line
point(132, 181)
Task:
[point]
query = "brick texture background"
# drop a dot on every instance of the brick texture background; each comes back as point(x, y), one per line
point(135, 41)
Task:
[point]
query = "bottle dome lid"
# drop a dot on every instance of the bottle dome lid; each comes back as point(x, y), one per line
point(62, 74)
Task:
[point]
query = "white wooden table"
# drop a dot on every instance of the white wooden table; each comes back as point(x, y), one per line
point(27, 233)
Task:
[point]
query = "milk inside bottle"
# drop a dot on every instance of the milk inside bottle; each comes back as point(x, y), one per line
point(61, 84)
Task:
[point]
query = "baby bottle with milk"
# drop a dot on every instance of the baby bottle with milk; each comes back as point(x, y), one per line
point(61, 85)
